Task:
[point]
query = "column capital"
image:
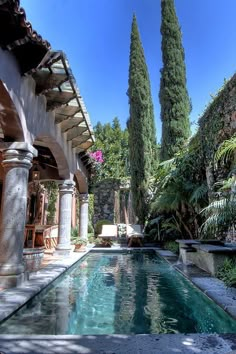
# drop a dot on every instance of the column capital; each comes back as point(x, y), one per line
point(18, 154)
point(83, 198)
point(66, 186)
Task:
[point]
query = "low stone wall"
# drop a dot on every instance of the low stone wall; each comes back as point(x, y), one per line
point(210, 262)
point(208, 257)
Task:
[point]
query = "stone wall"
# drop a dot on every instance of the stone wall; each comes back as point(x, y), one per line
point(218, 122)
point(105, 200)
point(112, 201)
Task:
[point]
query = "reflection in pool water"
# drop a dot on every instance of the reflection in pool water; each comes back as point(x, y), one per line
point(127, 293)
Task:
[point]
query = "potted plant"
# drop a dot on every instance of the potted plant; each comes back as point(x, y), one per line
point(80, 245)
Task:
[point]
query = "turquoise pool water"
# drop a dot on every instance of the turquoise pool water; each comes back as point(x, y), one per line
point(127, 293)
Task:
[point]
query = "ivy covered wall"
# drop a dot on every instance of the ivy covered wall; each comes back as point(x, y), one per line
point(105, 194)
point(218, 122)
point(112, 201)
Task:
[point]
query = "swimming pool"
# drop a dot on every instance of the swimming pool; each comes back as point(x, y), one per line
point(123, 293)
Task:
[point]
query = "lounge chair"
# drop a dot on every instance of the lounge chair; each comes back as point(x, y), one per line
point(134, 234)
point(108, 231)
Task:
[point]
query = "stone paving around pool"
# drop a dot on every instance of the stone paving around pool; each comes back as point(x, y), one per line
point(214, 288)
point(12, 299)
point(119, 344)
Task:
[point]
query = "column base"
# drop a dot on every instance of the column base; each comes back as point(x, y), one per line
point(11, 269)
point(11, 281)
point(62, 251)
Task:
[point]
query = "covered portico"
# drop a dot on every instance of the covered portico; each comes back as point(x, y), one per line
point(43, 123)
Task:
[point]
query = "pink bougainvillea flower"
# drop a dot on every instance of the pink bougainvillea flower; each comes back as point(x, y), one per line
point(97, 156)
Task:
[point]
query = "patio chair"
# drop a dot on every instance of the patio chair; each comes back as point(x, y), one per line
point(29, 234)
point(50, 236)
point(134, 234)
point(108, 231)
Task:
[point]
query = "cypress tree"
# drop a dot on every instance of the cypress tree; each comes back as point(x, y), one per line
point(141, 126)
point(173, 95)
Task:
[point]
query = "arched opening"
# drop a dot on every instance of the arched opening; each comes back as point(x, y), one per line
point(48, 168)
point(10, 124)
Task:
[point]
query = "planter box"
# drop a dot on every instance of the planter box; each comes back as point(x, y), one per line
point(33, 258)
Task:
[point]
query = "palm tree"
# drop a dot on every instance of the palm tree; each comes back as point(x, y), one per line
point(220, 214)
point(181, 192)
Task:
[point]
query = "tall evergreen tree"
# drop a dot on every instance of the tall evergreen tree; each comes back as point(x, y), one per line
point(141, 126)
point(174, 99)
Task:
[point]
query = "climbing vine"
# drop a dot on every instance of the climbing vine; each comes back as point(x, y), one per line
point(214, 125)
point(52, 191)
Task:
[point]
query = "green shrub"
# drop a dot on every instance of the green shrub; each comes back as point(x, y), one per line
point(153, 234)
point(172, 246)
point(75, 239)
point(91, 238)
point(79, 241)
point(74, 233)
point(227, 272)
point(98, 226)
point(103, 242)
point(90, 228)
point(52, 191)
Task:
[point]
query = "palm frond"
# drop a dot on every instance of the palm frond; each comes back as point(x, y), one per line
point(156, 220)
point(226, 149)
point(168, 163)
point(199, 193)
point(215, 206)
point(169, 227)
point(220, 215)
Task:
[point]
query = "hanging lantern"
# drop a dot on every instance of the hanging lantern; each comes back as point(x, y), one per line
point(35, 174)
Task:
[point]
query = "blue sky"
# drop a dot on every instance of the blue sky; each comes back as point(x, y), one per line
point(95, 35)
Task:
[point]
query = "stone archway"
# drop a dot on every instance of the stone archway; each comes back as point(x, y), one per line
point(9, 118)
point(57, 154)
point(51, 165)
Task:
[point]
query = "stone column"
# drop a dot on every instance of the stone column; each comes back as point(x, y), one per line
point(83, 216)
point(16, 163)
point(65, 205)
